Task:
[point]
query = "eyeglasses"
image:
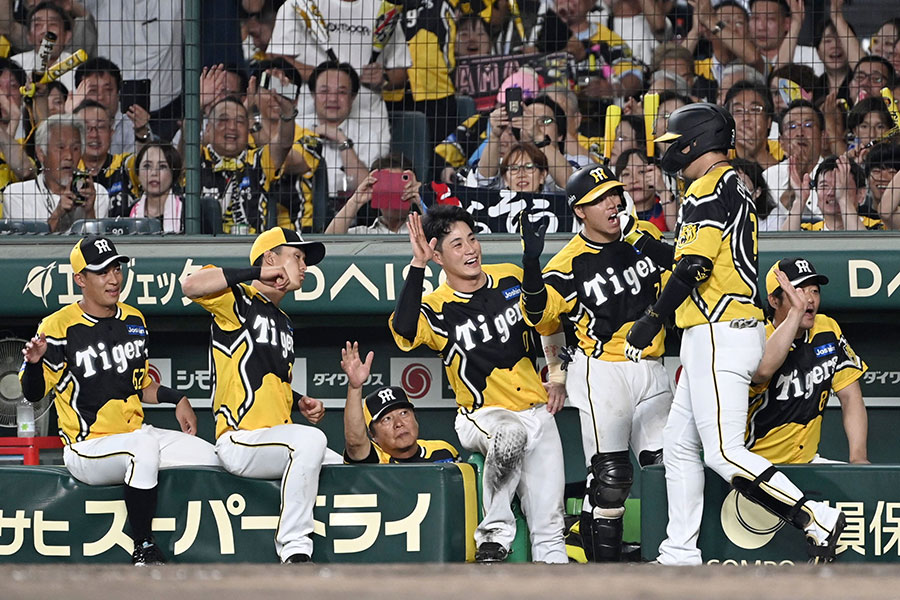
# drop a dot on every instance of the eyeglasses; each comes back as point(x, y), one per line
point(792, 126)
point(546, 120)
point(529, 167)
point(753, 109)
point(875, 78)
point(96, 128)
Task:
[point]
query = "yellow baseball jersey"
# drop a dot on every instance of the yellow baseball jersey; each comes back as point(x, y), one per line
point(252, 350)
point(601, 289)
point(870, 223)
point(430, 451)
point(96, 369)
point(488, 350)
point(784, 422)
point(717, 220)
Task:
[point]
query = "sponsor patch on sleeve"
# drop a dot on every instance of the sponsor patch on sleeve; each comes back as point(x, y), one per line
point(512, 292)
point(824, 349)
point(137, 330)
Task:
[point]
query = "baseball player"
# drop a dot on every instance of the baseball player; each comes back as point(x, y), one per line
point(92, 355)
point(713, 294)
point(474, 322)
point(252, 350)
point(806, 359)
point(601, 284)
point(383, 429)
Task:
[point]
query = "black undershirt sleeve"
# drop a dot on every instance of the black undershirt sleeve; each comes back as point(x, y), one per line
point(534, 292)
point(660, 252)
point(33, 381)
point(406, 314)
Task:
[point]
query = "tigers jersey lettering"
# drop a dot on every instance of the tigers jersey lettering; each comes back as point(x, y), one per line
point(488, 350)
point(784, 422)
point(430, 451)
point(96, 369)
point(602, 289)
point(717, 220)
point(249, 394)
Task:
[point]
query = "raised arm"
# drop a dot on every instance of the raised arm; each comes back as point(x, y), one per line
point(406, 314)
point(356, 440)
point(789, 44)
point(213, 280)
point(849, 41)
point(779, 343)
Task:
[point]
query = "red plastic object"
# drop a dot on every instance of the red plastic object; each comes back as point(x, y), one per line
point(29, 447)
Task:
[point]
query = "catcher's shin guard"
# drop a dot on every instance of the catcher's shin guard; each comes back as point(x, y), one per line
point(795, 514)
point(601, 537)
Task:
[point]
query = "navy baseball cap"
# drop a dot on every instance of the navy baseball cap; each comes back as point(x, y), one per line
point(798, 270)
point(94, 254)
point(384, 400)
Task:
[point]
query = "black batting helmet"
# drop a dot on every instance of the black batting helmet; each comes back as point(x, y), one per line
point(693, 131)
point(588, 183)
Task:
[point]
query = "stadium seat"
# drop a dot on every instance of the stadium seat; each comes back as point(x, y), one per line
point(115, 226)
point(322, 209)
point(409, 136)
point(14, 226)
point(465, 107)
point(210, 215)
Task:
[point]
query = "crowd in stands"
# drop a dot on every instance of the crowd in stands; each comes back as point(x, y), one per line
point(310, 109)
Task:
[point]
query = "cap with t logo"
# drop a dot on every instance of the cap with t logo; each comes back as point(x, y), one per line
point(798, 270)
point(384, 400)
point(94, 254)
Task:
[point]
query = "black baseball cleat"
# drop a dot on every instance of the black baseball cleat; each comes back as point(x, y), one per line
point(298, 558)
point(825, 553)
point(489, 552)
point(147, 553)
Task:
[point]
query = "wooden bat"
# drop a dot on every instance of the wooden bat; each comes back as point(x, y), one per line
point(651, 107)
point(613, 118)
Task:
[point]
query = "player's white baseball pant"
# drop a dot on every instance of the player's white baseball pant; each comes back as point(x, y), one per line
point(292, 453)
point(135, 458)
point(619, 403)
point(710, 412)
point(523, 455)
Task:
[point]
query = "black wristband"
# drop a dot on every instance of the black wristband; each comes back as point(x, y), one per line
point(168, 395)
point(235, 275)
point(297, 396)
point(33, 386)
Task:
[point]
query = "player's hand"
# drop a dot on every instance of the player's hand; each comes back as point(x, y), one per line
point(275, 276)
point(184, 413)
point(423, 249)
point(796, 301)
point(532, 235)
point(641, 335)
point(357, 371)
point(556, 397)
point(311, 408)
point(35, 348)
point(628, 222)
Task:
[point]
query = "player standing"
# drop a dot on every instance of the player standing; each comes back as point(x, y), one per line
point(252, 349)
point(474, 322)
point(93, 355)
point(713, 293)
point(806, 359)
point(601, 284)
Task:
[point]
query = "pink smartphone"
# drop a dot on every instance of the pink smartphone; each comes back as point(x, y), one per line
point(387, 193)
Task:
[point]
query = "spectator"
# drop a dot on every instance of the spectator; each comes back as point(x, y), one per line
point(734, 73)
point(14, 25)
point(841, 188)
point(641, 22)
point(643, 181)
point(241, 176)
point(803, 345)
point(47, 17)
point(630, 135)
point(503, 29)
point(881, 165)
point(472, 37)
point(882, 43)
point(159, 171)
point(220, 81)
point(665, 81)
point(775, 27)
point(350, 142)
point(524, 168)
point(751, 106)
point(868, 120)
point(576, 144)
point(383, 429)
point(802, 77)
point(57, 196)
point(115, 172)
point(293, 192)
point(870, 74)
point(751, 173)
point(15, 165)
point(800, 134)
point(146, 40)
point(257, 23)
point(100, 79)
point(726, 29)
point(838, 48)
point(676, 59)
point(669, 102)
point(391, 218)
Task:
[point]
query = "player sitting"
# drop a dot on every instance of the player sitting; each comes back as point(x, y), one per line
point(806, 359)
point(383, 429)
point(92, 355)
